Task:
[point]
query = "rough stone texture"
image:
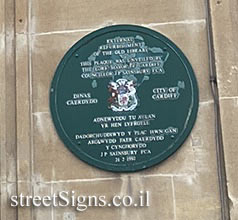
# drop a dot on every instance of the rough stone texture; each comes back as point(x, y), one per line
point(2, 16)
point(58, 15)
point(2, 109)
point(122, 186)
point(229, 111)
point(196, 193)
point(2, 113)
point(8, 98)
point(8, 156)
point(2, 128)
point(198, 190)
point(26, 189)
point(7, 212)
point(225, 35)
point(104, 187)
point(42, 189)
point(23, 109)
point(21, 16)
point(183, 187)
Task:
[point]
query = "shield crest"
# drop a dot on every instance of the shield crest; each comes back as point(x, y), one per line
point(123, 95)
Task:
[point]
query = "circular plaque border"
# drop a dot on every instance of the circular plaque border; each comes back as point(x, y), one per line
point(191, 118)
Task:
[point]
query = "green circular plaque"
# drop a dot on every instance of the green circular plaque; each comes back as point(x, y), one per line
point(124, 98)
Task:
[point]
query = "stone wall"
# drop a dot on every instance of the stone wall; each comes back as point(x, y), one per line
point(35, 34)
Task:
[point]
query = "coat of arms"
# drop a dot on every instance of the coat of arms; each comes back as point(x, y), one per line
point(123, 95)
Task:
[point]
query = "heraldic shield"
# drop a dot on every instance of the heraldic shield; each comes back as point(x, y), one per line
point(123, 95)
